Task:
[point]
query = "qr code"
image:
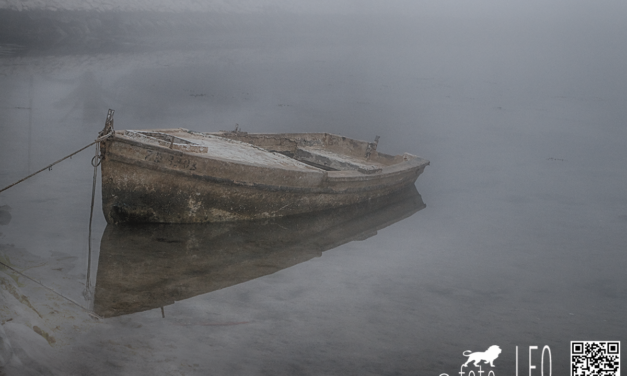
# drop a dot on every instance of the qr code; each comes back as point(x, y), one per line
point(595, 358)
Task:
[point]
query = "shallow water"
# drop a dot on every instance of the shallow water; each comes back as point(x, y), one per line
point(521, 243)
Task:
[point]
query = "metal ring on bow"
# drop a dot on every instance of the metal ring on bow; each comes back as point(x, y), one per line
point(95, 161)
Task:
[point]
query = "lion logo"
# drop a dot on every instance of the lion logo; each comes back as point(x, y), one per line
point(487, 356)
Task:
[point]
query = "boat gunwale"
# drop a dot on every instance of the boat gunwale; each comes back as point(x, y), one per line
point(402, 167)
point(421, 162)
point(301, 167)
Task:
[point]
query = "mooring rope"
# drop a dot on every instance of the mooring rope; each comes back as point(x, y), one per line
point(95, 161)
point(98, 140)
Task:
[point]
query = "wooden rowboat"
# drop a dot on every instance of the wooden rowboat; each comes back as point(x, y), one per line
point(181, 176)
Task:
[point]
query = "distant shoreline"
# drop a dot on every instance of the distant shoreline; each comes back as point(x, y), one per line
point(46, 28)
point(68, 31)
point(95, 30)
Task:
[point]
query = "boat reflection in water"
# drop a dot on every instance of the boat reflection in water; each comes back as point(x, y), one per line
point(149, 266)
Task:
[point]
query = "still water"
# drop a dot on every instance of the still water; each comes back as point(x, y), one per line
point(516, 237)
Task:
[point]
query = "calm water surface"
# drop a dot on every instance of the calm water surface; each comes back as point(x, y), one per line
point(521, 243)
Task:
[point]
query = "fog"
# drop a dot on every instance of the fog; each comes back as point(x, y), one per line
point(516, 237)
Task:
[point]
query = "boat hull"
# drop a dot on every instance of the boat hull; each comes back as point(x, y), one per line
point(152, 184)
